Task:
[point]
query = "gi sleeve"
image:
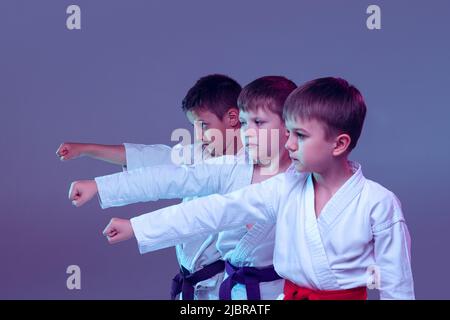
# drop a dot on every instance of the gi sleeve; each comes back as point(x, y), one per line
point(392, 246)
point(161, 182)
point(141, 155)
point(187, 221)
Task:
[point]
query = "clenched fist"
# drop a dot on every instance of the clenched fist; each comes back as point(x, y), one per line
point(118, 230)
point(82, 191)
point(69, 150)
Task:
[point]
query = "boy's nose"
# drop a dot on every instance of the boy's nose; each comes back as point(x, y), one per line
point(291, 145)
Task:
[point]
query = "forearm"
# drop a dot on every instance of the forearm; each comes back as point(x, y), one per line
point(114, 154)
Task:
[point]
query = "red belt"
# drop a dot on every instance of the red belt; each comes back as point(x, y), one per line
point(294, 292)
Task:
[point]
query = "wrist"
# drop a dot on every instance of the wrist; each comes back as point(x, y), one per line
point(87, 149)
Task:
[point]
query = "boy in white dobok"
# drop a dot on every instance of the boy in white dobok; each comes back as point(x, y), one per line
point(332, 224)
point(247, 250)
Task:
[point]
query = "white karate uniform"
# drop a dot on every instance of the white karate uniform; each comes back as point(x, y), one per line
point(361, 226)
point(240, 246)
point(195, 254)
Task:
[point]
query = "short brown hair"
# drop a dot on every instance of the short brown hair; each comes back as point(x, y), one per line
point(266, 92)
point(333, 101)
point(215, 92)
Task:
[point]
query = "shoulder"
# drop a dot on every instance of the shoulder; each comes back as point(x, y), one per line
point(378, 193)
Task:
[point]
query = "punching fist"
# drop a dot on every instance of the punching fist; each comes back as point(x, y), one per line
point(82, 191)
point(69, 150)
point(118, 230)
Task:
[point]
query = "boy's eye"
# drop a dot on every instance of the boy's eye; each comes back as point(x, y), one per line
point(258, 122)
point(300, 135)
point(243, 123)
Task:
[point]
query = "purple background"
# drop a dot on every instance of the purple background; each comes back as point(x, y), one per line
point(122, 77)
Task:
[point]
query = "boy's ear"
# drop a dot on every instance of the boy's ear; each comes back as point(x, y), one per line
point(342, 144)
point(232, 117)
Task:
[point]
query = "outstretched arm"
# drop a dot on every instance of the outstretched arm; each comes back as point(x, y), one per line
point(154, 183)
point(187, 221)
point(110, 153)
point(133, 156)
point(162, 182)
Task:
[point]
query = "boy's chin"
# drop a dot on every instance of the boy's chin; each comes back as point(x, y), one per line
point(299, 167)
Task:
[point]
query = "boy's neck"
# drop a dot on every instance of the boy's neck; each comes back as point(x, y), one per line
point(334, 176)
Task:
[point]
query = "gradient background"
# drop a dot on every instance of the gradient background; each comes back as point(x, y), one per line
point(122, 78)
